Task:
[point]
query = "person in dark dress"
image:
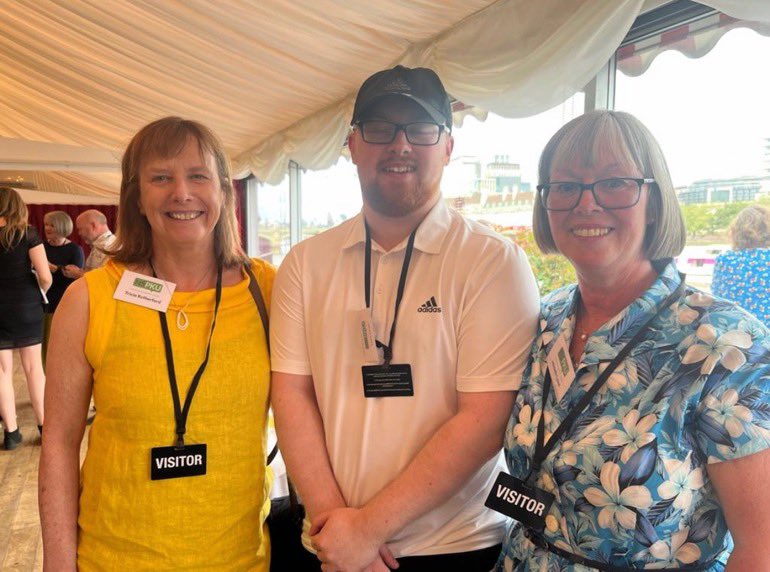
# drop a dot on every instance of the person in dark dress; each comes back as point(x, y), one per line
point(60, 252)
point(24, 276)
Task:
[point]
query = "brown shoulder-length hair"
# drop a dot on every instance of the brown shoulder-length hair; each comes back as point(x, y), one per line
point(14, 211)
point(631, 143)
point(163, 139)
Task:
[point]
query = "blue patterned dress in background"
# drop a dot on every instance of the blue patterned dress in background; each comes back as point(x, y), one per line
point(743, 276)
point(630, 476)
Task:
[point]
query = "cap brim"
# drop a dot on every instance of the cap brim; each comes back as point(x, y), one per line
point(435, 114)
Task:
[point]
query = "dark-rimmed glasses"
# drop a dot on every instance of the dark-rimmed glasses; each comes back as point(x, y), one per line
point(615, 193)
point(381, 132)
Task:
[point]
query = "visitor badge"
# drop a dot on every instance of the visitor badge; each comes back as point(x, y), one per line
point(177, 462)
point(146, 291)
point(366, 333)
point(560, 365)
point(514, 498)
point(391, 380)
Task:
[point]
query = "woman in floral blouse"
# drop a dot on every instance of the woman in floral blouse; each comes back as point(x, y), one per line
point(743, 274)
point(657, 395)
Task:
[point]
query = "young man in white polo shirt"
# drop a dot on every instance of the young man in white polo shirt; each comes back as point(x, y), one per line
point(392, 428)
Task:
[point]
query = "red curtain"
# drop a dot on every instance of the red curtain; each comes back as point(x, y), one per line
point(37, 212)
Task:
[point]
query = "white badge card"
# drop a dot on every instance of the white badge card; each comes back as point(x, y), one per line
point(560, 366)
point(366, 334)
point(146, 291)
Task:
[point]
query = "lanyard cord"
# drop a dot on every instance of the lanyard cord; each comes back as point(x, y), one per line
point(387, 350)
point(542, 449)
point(180, 414)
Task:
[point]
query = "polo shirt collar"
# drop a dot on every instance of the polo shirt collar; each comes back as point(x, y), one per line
point(430, 234)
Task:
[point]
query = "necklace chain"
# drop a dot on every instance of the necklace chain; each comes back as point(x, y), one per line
point(580, 313)
point(182, 321)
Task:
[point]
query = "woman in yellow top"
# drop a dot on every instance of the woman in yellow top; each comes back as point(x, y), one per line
point(174, 476)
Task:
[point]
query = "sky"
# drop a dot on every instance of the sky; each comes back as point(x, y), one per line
point(711, 116)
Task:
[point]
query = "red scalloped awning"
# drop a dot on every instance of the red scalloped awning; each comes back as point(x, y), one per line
point(694, 40)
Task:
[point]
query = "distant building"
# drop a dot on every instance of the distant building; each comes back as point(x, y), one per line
point(502, 184)
point(723, 190)
point(498, 184)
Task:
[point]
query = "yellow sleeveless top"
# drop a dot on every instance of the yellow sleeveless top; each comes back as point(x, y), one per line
point(210, 522)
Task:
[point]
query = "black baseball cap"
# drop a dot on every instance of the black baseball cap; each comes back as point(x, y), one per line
point(421, 85)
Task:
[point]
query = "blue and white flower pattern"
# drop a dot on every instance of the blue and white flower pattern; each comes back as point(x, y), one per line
point(630, 476)
point(743, 276)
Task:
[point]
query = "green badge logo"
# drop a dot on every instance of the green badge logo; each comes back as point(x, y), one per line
point(147, 285)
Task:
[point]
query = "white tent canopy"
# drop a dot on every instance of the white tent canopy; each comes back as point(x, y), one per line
point(275, 78)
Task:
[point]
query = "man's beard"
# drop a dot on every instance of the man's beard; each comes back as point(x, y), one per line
point(396, 205)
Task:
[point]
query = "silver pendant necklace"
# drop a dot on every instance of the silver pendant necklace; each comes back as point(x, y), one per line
point(182, 321)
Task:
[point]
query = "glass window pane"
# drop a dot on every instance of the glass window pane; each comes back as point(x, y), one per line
point(273, 221)
point(712, 120)
point(329, 197)
point(493, 171)
point(493, 174)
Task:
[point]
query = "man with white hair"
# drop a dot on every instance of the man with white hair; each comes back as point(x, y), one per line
point(92, 228)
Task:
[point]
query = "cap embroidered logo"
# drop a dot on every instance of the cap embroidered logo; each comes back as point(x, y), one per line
point(398, 85)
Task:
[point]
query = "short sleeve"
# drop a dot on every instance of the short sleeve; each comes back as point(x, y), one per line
point(498, 322)
point(33, 238)
point(288, 344)
point(733, 417)
point(78, 258)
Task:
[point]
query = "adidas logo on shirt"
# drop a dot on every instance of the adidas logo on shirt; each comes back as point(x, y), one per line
point(430, 306)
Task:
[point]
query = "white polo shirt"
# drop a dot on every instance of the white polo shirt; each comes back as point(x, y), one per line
point(479, 341)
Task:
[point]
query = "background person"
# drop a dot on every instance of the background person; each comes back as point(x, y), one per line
point(60, 252)
point(383, 471)
point(743, 274)
point(21, 309)
point(177, 222)
point(657, 452)
point(92, 227)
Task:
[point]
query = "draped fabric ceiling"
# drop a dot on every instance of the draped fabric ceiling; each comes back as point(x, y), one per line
point(275, 79)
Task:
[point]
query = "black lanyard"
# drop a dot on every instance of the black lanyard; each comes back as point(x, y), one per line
point(180, 413)
point(542, 449)
point(387, 350)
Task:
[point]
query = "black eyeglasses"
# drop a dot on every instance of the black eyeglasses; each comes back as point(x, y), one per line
point(384, 132)
point(615, 193)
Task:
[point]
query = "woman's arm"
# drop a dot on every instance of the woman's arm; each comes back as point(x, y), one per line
point(67, 396)
point(741, 486)
point(40, 264)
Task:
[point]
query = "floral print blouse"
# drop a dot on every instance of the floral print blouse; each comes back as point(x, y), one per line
point(743, 276)
point(630, 476)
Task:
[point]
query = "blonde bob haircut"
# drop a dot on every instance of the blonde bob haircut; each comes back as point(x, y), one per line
point(751, 228)
point(14, 211)
point(624, 138)
point(164, 139)
point(60, 221)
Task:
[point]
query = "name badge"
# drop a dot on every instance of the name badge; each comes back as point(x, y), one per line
point(177, 462)
point(513, 497)
point(145, 291)
point(368, 342)
point(560, 365)
point(394, 380)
